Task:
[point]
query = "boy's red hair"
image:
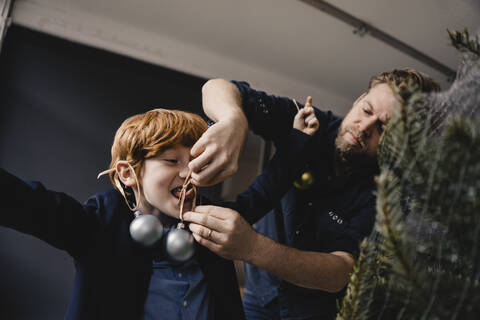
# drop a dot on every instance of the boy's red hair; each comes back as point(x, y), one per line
point(143, 136)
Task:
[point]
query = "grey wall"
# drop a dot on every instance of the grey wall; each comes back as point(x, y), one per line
point(60, 104)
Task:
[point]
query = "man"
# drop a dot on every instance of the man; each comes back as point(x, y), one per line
point(300, 255)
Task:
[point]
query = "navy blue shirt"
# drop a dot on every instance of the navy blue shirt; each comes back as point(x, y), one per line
point(115, 277)
point(177, 290)
point(335, 214)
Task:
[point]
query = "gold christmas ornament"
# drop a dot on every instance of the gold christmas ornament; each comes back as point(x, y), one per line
point(305, 181)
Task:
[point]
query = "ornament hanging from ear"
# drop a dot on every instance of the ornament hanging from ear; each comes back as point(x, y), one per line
point(146, 229)
point(180, 242)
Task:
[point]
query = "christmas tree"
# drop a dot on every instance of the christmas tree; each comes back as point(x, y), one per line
point(423, 259)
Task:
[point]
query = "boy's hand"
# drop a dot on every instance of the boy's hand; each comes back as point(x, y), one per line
point(305, 120)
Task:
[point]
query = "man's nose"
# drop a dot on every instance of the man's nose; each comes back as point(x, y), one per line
point(366, 125)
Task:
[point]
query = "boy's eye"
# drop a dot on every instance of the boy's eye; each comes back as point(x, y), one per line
point(171, 160)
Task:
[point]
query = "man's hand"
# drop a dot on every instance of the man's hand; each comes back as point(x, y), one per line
point(216, 153)
point(227, 234)
point(223, 231)
point(305, 120)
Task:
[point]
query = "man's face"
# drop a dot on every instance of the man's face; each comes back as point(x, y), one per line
point(359, 134)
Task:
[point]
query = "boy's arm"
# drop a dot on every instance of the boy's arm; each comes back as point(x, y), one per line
point(53, 217)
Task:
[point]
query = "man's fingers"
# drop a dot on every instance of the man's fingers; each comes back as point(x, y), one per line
point(205, 232)
point(308, 103)
point(304, 113)
point(201, 161)
point(203, 219)
point(213, 211)
point(207, 243)
point(313, 123)
point(311, 120)
point(209, 175)
point(310, 117)
point(218, 212)
point(209, 221)
point(198, 148)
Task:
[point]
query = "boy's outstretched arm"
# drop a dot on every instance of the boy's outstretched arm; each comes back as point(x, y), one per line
point(53, 217)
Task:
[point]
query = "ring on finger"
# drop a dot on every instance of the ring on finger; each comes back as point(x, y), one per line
point(209, 233)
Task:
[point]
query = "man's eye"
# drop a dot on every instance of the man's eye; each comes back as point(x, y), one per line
point(171, 160)
point(381, 127)
point(367, 111)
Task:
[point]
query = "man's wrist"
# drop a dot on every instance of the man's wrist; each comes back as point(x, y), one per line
point(236, 118)
point(256, 248)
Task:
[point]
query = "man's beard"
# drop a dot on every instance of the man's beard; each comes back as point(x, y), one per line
point(350, 155)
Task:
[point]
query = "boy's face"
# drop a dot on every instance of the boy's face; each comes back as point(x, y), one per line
point(162, 180)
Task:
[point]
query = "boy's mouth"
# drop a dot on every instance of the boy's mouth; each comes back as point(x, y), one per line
point(177, 192)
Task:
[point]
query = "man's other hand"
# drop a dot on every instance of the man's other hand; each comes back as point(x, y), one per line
point(305, 120)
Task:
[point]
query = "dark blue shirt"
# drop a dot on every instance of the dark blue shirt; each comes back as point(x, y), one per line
point(114, 274)
point(177, 290)
point(335, 214)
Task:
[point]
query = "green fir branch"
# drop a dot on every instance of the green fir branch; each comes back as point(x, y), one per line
point(464, 43)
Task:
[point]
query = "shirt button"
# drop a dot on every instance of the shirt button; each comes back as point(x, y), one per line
point(185, 303)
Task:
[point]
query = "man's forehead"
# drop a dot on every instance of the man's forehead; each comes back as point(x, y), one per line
point(381, 99)
point(383, 112)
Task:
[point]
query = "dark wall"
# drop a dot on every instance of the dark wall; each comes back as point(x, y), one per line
point(61, 103)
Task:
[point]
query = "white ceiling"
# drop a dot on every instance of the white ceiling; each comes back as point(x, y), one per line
point(283, 46)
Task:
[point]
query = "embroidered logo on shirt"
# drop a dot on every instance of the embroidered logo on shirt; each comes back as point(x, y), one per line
point(335, 217)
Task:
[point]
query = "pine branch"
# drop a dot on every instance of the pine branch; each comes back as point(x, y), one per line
point(463, 43)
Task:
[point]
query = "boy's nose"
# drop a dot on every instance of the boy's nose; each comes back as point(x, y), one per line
point(183, 172)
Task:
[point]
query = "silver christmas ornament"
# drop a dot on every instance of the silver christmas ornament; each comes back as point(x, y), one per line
point(180, 244)
point(146, 229)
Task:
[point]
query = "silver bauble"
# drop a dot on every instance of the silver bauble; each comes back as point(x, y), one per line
point(146, 229)
point(180, 244)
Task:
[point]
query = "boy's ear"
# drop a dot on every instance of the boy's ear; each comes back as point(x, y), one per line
point(125, 174)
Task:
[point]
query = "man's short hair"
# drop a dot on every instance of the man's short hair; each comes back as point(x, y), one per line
point(402, 77)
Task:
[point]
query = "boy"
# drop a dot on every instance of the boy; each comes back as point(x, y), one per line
point(117, 278)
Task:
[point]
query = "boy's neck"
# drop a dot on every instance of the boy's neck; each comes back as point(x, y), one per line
point(166, 220)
